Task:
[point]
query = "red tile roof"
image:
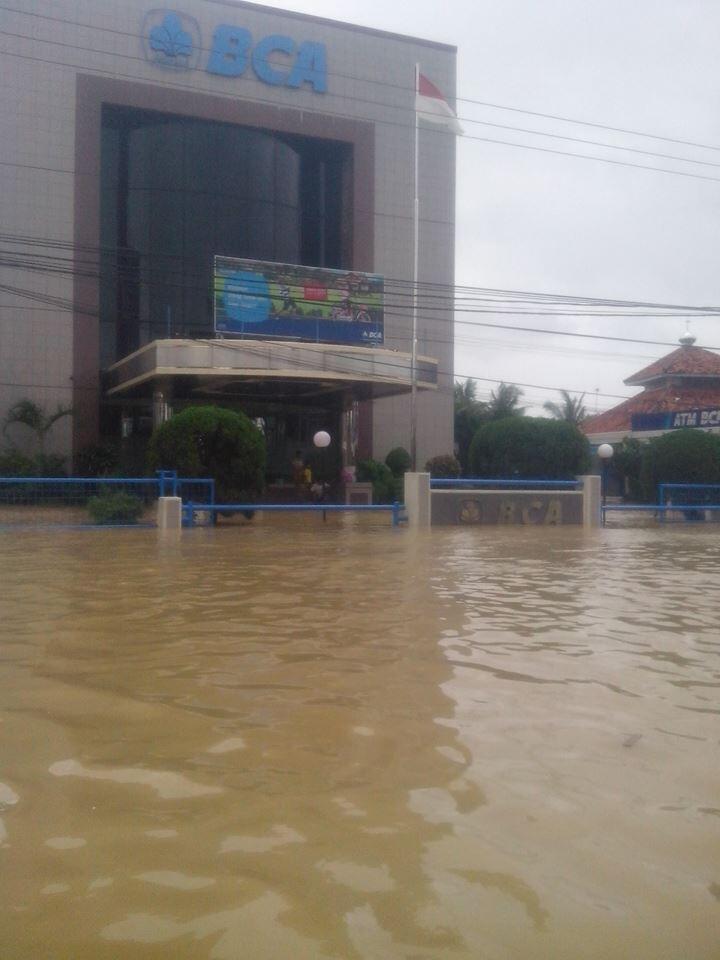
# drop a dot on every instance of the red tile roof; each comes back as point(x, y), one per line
point(686, 361)
point(665, 397)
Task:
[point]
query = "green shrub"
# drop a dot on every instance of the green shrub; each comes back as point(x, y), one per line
point(445, 467)
point(529, 447)
point(98, 460)
point(212, 442)
point(682, 456)
point(398, 461)
point(627, 464)
point(49, 465)
point(381, 478)
point(16, 464)
point(115, 506)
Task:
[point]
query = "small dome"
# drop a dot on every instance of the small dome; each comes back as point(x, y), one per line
point(687, 339)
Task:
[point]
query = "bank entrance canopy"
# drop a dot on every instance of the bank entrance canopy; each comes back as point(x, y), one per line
point(258, 369)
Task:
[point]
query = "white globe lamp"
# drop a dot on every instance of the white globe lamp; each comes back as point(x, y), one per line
point(605, 451)
point(322, 439)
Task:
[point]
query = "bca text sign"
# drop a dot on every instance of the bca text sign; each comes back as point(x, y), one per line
point(173, 41)
point(494, 507)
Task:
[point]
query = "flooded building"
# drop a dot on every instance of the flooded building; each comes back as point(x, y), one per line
point(156, 162)
point(680, 390)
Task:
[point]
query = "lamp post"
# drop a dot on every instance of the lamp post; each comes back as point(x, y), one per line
point(322, 440)
point(605, 452)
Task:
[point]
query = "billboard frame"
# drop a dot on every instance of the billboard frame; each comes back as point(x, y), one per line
point(268, 300)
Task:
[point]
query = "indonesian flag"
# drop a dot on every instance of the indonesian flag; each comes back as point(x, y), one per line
point(432, 106)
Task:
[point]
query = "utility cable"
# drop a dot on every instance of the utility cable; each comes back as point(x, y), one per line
point(338, 115)
point(384, 83)
point(404, 107)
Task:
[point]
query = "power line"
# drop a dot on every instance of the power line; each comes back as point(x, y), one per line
point(69, 307)
point(384, 83)
point(535, 386)
point(343, 116)
point(474, 293)
point(338, 354)
point(391, 309)
point(469, 341)
point(395, 106)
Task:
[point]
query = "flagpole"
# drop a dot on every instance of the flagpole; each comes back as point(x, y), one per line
point(416, 262)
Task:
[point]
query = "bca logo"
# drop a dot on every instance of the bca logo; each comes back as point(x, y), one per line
point(171, 40)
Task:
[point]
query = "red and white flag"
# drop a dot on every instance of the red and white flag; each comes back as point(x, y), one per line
point(432, 106)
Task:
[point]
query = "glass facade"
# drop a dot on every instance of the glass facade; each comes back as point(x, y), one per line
point(176, 191)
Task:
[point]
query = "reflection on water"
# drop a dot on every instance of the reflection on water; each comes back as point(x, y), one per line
point(358, 742)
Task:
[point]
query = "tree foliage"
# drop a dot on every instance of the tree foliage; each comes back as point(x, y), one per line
point(380, 476)
point(470, 414)
point(445, 466)
point(529, 447)
point(571, 409)
point(29, 414)
point(399, 461)
point(681, 456)
point(504, 402)
point(627, 463)
point(209, 441)
point(100, 459)
point(115, 506)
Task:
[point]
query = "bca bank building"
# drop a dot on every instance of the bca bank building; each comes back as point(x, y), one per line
point(215, 203)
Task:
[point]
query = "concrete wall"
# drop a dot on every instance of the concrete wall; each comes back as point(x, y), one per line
point(487, 507)
point(492, 507)
point(370, 78)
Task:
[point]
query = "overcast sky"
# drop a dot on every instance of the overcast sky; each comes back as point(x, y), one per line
point(528, 220)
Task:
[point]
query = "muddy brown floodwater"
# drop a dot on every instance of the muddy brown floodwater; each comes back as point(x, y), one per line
point(346, 741)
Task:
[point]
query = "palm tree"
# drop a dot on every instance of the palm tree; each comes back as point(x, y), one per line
point(470, 414)
point(571, 410)
point(465, 393)
point(32, 415)
point(504, 402)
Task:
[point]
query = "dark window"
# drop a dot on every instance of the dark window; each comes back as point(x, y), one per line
point(177, 191)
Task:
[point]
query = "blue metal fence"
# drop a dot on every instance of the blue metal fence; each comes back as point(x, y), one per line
point(191, 509)
point(438, 483)
point(41, 501)
point(680, 502)
point(688, 494)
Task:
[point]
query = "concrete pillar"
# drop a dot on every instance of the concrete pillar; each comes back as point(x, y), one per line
point(417, 499)
point(592, 516)
point(162, 410)
point(169, 515)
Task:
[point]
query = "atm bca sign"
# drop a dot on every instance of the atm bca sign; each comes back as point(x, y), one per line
point(173, 41)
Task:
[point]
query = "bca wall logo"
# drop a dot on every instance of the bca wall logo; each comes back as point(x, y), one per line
point(173, 41)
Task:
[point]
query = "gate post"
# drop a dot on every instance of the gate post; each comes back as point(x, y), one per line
point(592, 511)
point(169, 513)
point(417, 499)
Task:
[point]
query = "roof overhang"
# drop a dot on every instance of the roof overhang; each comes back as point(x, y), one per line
point(660, 378)
point(272, 370)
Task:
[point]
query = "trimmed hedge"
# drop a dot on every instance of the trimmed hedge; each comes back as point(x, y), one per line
point(399, 461)
point(529, 447)
point(211, 441)
point(445, 467)
point(682, 456)
point(115, 506)
point(380, 476)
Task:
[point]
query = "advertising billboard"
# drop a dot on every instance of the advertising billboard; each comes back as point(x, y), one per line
point(283, 301)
